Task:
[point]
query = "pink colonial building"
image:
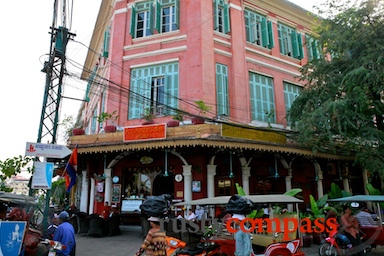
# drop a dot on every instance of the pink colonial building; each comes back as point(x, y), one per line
point(238, 58)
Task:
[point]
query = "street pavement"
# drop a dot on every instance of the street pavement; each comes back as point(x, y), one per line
point(131, 238)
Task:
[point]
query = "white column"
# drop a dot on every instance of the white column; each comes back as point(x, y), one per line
point(92, 196)
point(319, 175)
point(211, 172)
point(346, 184)
point(187, 173)
point(245, 174)
point(84, 192)
point(108, 185)
point(288, 186)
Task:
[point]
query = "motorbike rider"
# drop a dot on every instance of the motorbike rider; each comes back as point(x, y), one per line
point(350, 225)
point(65, 234)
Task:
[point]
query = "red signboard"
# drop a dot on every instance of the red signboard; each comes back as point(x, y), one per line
point(145, 132)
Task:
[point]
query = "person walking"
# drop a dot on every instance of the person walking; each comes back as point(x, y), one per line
point(65, 234)
point(243, 243)
point(155, 242)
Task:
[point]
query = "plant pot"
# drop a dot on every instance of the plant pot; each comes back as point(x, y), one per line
point(147, 122)
point(307, 240)
point(109, 128)
point(173, 123)
point(197, 120)
point(78, 131)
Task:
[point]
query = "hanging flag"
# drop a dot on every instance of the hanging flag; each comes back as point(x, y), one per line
point(71, 169)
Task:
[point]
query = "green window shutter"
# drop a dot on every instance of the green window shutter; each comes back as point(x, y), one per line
point(270, 35)
point(264, 32)
point(252, 32)
point(227, 20)
point(177, 13)
point(295, 45)
point(281, 43)
point(151, 18)
point(222, 89)
point(107, 35)
point(158, 17)
point(215, 14)
point(133, 22)
point(300, 45)
point(315, 49)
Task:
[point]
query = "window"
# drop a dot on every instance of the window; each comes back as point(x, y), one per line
point(142, 19)
point(94, 122)
point(155, 87)
point(291, 91)
point(107, 38)
point(158, 96)
point(221, 16)
point(258, 30)
point(313, 49)
point(222, 89)
point(290, 42)
point(168, 15)
point(224, 187)
point(262, 98)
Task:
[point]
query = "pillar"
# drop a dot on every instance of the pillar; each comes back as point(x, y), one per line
point(346, 184)
point(319, 176)
point(187, 173)
point(108, 185)
point(288, 186)
point(92, 196)
point(84, 192)
point(211, 172)
point(245, 174)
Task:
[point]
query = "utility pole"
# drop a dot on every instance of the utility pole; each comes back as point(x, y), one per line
point(55, 70)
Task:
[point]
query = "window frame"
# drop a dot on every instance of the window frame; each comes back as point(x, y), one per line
point(291, 92)
point(222, 22)
point(313, 48)
point(290, 42)
point(262, 98)
point(222, 96)
point(137, 9)
point(259, 30)
point(174, 24)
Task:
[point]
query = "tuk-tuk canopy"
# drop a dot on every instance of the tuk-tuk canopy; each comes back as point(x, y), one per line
point(15, 199)
point(359, 198)
point(257, 199)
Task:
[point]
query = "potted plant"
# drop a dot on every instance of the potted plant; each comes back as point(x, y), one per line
point(176, 119)
point(203, 108)
point(71, 127)
point(148, 116)
point(110, 119)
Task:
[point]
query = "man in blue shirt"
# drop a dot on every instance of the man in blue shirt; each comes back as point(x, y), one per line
point(243, 245)
point(65, 234)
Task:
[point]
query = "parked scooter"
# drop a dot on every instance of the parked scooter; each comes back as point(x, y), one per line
point(176, 247)
point(53, 246)
point(337, 244)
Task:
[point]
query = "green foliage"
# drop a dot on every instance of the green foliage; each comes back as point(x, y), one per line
point(179, 116)
point(374, 191)
point(13, 166)
point(68, 124)
point(105, 117)
point(148, 115)
point(337, 192)
point(293, 192)
point(204, 108)
point(59, 191)
point(340, 109)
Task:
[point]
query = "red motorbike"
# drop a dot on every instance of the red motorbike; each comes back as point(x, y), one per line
point(337, 244)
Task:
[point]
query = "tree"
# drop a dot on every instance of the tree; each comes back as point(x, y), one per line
point(341, 107)
point(12, 166)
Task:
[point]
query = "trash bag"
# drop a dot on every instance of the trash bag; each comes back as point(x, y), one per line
point(156, 206)
point(240, 205)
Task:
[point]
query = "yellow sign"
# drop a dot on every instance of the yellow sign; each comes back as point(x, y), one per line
point(252, 134)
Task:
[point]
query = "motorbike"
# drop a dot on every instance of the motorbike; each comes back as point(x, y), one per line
point(176, 247)
point(53, 246)
point(336, 244)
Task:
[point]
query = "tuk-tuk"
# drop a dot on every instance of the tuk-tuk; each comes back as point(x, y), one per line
point(272, 239)
point(21, 214)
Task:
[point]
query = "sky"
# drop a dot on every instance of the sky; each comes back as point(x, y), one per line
point(25, 46)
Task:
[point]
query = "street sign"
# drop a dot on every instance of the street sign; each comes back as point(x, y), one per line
point(46, 150)
point(42, 176)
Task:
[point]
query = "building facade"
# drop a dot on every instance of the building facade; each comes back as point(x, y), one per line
point(241, 58)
